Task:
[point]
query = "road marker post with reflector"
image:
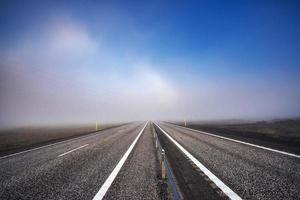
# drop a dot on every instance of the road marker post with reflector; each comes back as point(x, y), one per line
point(163, 165)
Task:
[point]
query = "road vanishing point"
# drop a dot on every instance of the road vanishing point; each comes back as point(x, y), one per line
point(126, 162)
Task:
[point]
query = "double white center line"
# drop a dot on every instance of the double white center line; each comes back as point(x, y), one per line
point(73, 150)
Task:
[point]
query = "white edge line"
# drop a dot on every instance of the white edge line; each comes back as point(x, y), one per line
point(73, 150)
point(231, 194)
point(241, 142)
point(48, 145)
point(101, 193)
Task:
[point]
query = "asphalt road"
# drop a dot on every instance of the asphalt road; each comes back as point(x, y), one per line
point(251, 172)
point(73, 169)
point(138, 178)
point(79, 168)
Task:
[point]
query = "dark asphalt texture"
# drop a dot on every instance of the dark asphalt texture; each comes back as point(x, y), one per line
point(191, 182)
point(138, 178)
point(251, 172)
point(41, 174)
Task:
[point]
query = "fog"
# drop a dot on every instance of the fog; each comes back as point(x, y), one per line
point(65, 75)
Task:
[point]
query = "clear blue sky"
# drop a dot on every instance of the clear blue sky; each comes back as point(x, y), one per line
point(229, 59)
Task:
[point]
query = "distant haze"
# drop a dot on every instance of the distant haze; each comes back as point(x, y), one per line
point(85, 62)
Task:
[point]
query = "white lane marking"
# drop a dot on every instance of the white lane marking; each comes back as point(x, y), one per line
point(241, 142)
point(73, 150)
point(48, 145)
point(101, 193)
point(231, 194)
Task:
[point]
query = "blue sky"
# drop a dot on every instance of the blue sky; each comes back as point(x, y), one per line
point(81, 61)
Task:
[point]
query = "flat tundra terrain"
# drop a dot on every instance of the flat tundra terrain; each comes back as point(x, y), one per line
point(14, 139)
point(147, 160)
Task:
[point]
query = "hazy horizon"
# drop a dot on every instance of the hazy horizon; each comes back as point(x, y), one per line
point(83, 62)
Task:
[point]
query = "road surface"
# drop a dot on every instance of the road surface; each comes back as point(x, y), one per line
point(74, 169)
point(251, 172)
point(122, 163)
